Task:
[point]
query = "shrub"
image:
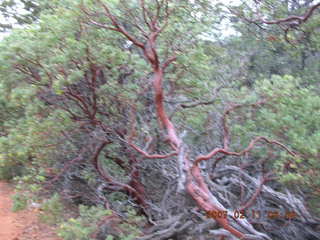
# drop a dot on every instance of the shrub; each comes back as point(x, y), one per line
point(52, 210)
point(82, 227)
point(20, 202)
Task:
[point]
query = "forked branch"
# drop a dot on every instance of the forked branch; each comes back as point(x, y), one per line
point(296, 19)
point(286, 24)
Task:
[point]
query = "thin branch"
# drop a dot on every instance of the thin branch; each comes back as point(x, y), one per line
point(298, 20)
point(103, 26)
point(244, 151)
point(213, 99)
point(145, 14)
point(109, 179)
point(152, 156)
point(68, 165)
point(117, 27)
point(265, 178)
point(168, 62)
point(226, 131)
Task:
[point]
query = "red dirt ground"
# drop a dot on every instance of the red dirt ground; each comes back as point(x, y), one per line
point(22, 225)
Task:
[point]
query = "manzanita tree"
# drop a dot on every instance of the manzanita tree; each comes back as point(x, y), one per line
point(155, 18)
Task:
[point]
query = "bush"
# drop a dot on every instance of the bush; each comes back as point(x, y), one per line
point(82, 227)
point(20, 202)
point(52, 210)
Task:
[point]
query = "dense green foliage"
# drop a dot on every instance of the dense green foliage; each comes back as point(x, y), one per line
point(290, 115)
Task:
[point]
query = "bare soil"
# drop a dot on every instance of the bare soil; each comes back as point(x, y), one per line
point(22, 225)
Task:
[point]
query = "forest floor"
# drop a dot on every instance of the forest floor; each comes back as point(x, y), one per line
point(21, 225)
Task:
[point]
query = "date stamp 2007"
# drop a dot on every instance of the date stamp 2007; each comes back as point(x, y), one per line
point(253, 214)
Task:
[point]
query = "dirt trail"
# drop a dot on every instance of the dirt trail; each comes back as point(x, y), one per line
point(22, 225)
